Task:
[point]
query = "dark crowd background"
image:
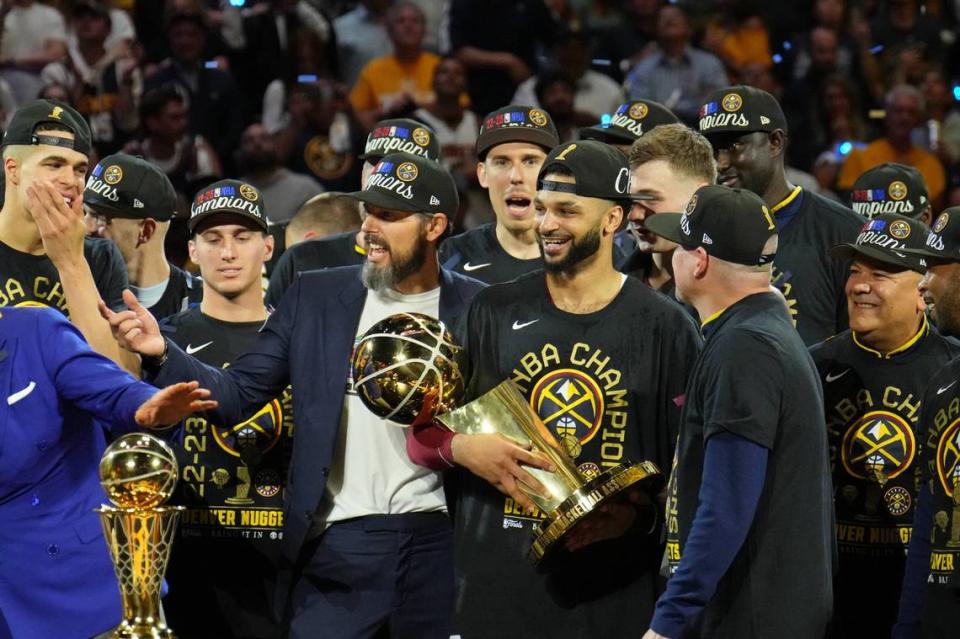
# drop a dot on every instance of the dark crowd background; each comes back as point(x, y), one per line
point(258, 88)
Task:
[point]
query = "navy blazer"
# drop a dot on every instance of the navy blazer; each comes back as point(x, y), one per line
point(307, 342)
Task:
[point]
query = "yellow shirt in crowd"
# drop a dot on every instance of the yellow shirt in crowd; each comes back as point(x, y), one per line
point(385, 77)
point(879, 152)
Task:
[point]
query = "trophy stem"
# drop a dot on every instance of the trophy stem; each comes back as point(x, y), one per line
point(140, 541)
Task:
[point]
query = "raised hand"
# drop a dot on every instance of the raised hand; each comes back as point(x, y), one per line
point(172, 404)
point(500, 461)
point(60, 224)
point(135, 330)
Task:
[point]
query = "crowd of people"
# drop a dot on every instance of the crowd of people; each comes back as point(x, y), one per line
point(718, 237)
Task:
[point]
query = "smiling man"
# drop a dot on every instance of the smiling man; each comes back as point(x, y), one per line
point(748, 131)
point(45, 258)
point(367, 544)
point(511, 147)
point(873, 378)
point(603, 360)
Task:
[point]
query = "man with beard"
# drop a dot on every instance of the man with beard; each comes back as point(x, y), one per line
point(342, 249)
point(367, 544)
point(873, 377)
point(603, 360)
point(748, 131)
point(668, 164)
point(283, 191)
point(512, 144)
point(930, 597)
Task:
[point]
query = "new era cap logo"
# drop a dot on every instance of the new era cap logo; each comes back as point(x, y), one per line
point(764, 119)
point(434, 201)
point(707, 239)
point(137, 204)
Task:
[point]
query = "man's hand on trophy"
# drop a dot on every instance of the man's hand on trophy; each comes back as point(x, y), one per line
point(612, 520)
point(500, 461)
point(135, 330)
point(172, 404)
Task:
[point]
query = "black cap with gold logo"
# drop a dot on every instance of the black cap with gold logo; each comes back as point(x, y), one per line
point(30, 117)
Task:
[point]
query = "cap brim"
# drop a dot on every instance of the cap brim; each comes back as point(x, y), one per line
point(608, 135)
point(666, 225)
point(932, 255)
point(196, 221)
point(850, 251)
point(503, 135)
point(384, 200)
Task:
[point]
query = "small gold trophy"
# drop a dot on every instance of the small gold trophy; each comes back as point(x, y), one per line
point(405, 369)
point(139, 472)
point(874, 467)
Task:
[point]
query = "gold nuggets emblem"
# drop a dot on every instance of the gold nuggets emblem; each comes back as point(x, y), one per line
point(407, 171)
point(897, 190)
point(731, 102)
point(538, 117)
point(249, 192)
point(55, 114)
point(941, 222)
point(112, 174)
point(638, 111)
point(421, 136)
point(900, 230)
point(692, 204)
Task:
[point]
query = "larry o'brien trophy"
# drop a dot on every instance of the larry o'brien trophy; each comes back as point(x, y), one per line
point(138, 473)
point(405, 368)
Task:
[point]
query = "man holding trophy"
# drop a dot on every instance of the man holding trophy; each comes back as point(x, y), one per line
point(603, 361)
point(367, 544)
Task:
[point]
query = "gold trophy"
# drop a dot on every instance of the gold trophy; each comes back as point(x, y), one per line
point(405, 369)
point(874, 467)
point(139, 472)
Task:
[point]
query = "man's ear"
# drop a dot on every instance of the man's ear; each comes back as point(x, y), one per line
point(147, 229)
point(11, 170)
point(482, 174)
point(268, 246)
point(778, 142)
point(437, 226)
point(702, 264)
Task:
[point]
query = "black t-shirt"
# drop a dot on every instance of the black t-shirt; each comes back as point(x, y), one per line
point(33, 280)
point(872, 406)
point(232, 481)
point(184, 291)
point(811, 280)
point(940, 474)
point(477, 253)
point(609, 385)
point(756, 380)
point(329, 252)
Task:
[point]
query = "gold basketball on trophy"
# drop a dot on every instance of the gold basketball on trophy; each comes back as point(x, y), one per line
point(405, 368)
point(138, 471)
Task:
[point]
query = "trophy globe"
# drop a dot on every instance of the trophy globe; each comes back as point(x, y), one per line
point(138, 471)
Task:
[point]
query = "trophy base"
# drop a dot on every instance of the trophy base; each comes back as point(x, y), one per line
point(152, 629)
point(586, 499)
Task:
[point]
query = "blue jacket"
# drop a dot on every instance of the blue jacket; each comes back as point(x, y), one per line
point(307, 342)
point(56, 577)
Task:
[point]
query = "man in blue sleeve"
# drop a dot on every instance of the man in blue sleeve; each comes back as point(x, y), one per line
point(749, 508)
point(367, 544)
point(56, 577)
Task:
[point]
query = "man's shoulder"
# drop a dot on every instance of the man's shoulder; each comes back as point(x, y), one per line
point(833, 213)
point(175, 322)
point(323, 252)
point(524, 288)
point(330, 276)
point(831, 347)
point(98, 249)
point(474, 238)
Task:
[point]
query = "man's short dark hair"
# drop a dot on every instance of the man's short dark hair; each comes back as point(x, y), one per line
point(156, 100)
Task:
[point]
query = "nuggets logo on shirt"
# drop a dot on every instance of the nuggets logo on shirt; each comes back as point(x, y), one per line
point(570, 404)
point(948, 460)
point(943, 462)
point(781, 279)
point(43, 291)
point(878, 447)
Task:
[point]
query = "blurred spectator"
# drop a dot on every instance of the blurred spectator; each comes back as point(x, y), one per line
point(187, 159)
point(940, 133)
point(554, 92)
point(34, 35)
point(738, 36)
point(825, 170)
point(392, 86)
point(58, 92)
point(102, 82)
point(322, 138)
point(322, 216)
point(313, 60)
point(596, 94)
point(455, 126)
point(266, 42)
point(283, 191)
point(121, 35)
point(213, 103)
point(900, 23)
point(675, 73)
point(361, 37)
point(497, 40)
point(904, 108)
point(436, 13)
point(623, 44)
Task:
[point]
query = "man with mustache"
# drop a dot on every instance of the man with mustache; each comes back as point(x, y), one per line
point(367, 543)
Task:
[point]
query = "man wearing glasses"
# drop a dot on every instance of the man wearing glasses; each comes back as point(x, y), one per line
point(131, 201)
point(748, 132)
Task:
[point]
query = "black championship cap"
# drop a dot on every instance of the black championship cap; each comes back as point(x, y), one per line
point(730, 224)
point(408, 182)
point(127, 186)
point(600, 171)
point(740, 109)
point(28, 117)
point(517, 123)
point(400, 135)
point(885, 238)
point(629, 122)
point(231, 197)
point(943, 242)
point(889, 188)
